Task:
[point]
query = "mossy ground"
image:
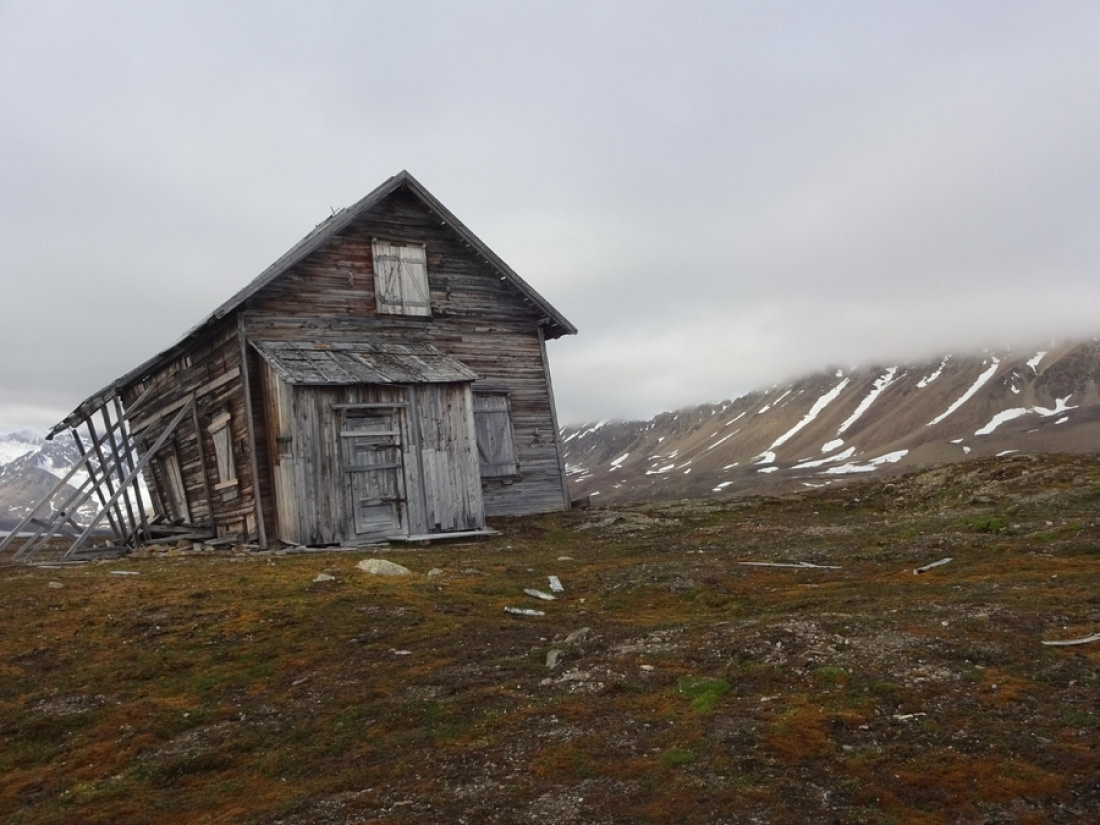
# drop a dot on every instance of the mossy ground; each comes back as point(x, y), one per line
point(687, 686)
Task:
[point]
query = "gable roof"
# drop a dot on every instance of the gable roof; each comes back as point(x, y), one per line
point(554, 323)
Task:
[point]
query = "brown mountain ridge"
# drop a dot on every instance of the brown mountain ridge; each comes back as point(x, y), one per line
point(832, 426)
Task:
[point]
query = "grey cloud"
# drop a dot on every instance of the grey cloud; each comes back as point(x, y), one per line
point(719, 195)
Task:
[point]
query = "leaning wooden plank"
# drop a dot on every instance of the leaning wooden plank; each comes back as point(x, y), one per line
point(928, 567)
point(134, 473)
point(539, 594)
point(524, 611)
point(250, 434)
point(124, 447)
point(105, 481)
point(152, 418)
point(1095, 637)
point(57, 520)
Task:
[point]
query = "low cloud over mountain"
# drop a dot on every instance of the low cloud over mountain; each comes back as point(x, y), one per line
point(837, 424)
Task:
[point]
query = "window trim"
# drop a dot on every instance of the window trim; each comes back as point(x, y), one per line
point(221, 434)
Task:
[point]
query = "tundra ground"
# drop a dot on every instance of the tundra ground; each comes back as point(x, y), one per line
point(670, 681)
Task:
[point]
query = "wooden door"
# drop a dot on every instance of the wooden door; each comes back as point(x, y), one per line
point(371, 452)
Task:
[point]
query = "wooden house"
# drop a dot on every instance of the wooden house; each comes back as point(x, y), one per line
point(386, 378)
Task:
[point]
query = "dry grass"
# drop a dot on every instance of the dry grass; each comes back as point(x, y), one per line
point(688, 687)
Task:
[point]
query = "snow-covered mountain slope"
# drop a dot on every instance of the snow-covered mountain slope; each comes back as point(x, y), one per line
point(837, 424)
point(30, 467)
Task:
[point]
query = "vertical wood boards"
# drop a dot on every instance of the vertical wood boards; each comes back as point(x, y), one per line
point(365, 462)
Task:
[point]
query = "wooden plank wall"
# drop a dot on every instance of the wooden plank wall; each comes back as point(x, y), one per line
point(448, 456)
point(476, 317)
point(211, 371)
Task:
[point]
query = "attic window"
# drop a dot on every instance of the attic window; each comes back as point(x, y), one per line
point(496, 448)
point(222, 435)
point(401, 278)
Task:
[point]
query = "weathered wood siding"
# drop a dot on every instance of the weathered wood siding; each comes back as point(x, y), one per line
point(312, 466)
point(210, 373)
point(476, 316)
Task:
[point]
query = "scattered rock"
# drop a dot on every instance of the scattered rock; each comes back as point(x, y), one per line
point(578, 635)
point(382, 567)
point(324, 577)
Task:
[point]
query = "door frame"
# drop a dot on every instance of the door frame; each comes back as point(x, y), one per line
point(395, 442)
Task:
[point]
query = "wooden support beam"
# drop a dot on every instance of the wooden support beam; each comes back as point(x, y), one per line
point(129, 447)
point(246, 388)
point(130, 478)
point(106, 480)
point(119, 458)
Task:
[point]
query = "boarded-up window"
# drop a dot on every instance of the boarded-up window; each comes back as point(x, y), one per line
point(496, 448)
point(174, 494)
point(222, 435)
point(401, 278)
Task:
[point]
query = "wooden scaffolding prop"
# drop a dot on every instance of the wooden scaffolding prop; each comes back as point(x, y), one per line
point(111, 468)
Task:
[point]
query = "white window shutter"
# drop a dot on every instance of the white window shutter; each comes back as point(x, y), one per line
point(496, 447)
point(401, 278)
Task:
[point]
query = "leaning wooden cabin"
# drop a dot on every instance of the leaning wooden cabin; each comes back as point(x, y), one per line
point(385, 378)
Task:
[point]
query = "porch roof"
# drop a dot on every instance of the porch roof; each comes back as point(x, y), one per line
point(321, 363)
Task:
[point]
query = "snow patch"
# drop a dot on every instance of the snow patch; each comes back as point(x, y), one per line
point(818, 406)
point(966, 396)
point(928, 379)
point(774, 403)
point(869, 466)
point(720, 440)
point(844, 456)
point(1060, 406)
point(881, 383)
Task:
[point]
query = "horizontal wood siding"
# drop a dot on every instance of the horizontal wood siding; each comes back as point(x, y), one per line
point(475, 316)
point(210, 372)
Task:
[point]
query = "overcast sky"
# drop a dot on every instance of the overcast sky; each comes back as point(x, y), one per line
point(720, 196)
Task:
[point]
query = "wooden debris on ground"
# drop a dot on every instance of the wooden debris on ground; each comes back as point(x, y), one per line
point(1084, 640)
point(928, 567)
